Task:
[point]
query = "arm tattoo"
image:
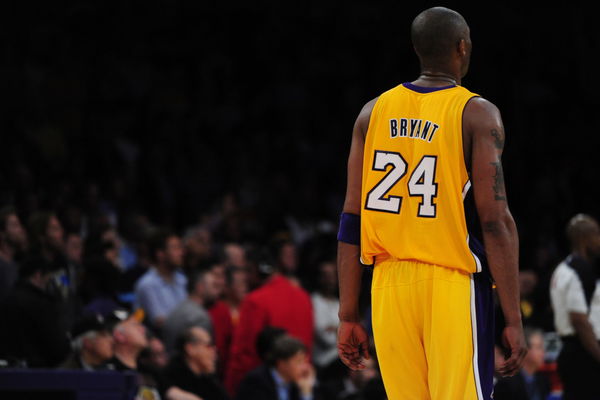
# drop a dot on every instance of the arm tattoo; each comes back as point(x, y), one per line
point(499, 192)
point(498, 139)
point(491, 227)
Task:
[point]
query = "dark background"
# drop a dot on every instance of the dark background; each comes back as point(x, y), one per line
point(165, 109)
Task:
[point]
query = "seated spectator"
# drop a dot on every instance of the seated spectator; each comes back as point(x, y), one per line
point(129, 337)
point(92, 343)
point(338, 382)
point(34, 330)
point(225, 313)
point(47, 237)
point(326, 306)
point(233, 255)
point(353, 385)
point(163, 287)
point(193, 368)
point(192, 311)
point(13, 240)
point(130, 340)
point(278, 302)
point(529, 383)
point(287, 374)
point(155, 355)
point(74, 256)
point(198, 248)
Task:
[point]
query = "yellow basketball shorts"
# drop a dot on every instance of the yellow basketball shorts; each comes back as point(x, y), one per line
point(434, 331)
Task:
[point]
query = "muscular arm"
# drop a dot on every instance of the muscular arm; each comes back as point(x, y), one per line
point(483, 122)
point(585, 333)
point(349, 268)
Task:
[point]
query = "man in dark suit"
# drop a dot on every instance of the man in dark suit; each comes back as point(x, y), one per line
point(193, 369)
point(528, 384)
point(286, 374)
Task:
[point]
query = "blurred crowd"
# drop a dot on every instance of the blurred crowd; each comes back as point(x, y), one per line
point(195, 313)
point(199, 314)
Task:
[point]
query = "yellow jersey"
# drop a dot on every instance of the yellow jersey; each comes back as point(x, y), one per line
point(414, 179)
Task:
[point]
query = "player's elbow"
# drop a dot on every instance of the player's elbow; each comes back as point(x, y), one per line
point(498, 223)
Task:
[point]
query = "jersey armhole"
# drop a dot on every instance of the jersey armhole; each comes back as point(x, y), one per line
point(462, 143)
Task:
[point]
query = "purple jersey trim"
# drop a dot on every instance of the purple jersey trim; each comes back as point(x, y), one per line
point(423, 89)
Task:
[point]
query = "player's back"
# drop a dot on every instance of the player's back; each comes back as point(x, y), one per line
point(415, 179)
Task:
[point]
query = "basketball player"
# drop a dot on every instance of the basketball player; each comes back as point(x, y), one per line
point(416, 151)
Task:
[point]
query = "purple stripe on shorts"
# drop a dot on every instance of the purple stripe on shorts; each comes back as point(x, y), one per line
point(484, 310)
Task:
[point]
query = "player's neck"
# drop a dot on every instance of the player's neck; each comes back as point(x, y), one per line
point(434, 78)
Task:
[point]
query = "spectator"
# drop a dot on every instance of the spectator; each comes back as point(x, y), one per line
point(157, 353)
point(287, 259)
point(92, 344)
point(151, 362)
point(528, 281)
point(341, 383)
point(262, 307)
point(219, 271)
point(529, 383)
point(198, 248)
point(103, 244)
point(130, 340)
point(163, 287)
point(47, 237)
point(326, 305)
point(192, 311)
point(74, 255)
point(47, 240)
point(193, 368)
point(225, 313)
point(233, 255)
point(13, 240)
point(287, 374)
point(575, 296)
point(34, 329)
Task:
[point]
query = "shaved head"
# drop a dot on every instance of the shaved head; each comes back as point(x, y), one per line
point(581, 228)
point(436, 33)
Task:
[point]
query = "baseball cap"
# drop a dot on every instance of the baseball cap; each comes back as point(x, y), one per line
point(120, 315)
point(89, 323)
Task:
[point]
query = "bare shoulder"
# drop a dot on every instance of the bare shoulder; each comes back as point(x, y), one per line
point(481, 113)
point(364, 116)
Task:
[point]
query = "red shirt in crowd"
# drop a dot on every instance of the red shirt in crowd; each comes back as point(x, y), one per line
point(278, 303)
point(223, 328)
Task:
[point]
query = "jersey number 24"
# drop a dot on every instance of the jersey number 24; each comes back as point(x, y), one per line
point(420, 184)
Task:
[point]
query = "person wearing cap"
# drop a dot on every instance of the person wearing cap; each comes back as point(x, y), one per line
point(129, 336)
point(92, 343)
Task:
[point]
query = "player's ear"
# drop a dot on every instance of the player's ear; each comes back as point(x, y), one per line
point(462, 47)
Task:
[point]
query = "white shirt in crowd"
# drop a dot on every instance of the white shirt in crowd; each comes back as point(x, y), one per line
point(326, 323)
point(566, 295)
